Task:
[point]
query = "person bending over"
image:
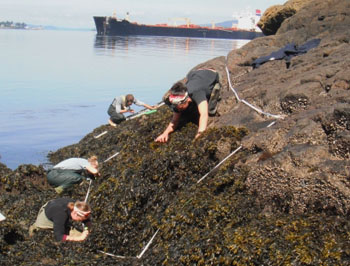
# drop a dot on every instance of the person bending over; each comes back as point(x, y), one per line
point(198, 96)
point(69, 172)
point(121, 105)
point(58, 214)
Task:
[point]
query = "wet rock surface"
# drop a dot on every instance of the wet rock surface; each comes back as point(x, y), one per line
point(283, 199)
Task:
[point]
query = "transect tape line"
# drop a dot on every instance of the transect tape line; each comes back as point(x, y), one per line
point(100, 135)
point(88, 192)
point(2, 217)
point(148, 244)
point(116, 256)
point(111, 157)
point(247, 103)
point(228, 156)
point(138, 256)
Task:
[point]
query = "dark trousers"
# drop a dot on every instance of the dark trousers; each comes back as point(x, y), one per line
point(116, 118)
point(214, 99)
point(63, 178)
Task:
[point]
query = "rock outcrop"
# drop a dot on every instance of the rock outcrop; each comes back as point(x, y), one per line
point(282, 199)
point(274, 16)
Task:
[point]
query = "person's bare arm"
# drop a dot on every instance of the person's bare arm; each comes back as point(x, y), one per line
point(126, 110)
point(150, 107)
point(92, 170)
point(78, 238)
point(203, 117)
point(171, 128)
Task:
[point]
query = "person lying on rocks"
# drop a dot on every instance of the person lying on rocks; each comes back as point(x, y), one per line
point(58, 214)
point(121, 105)
point(70, 172)
point(197, 98)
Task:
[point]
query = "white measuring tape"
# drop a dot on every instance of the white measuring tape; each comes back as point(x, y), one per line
point(2, 217)
point(111, 157)
point(88, 192)
point(100, 135)
point(246, 103)
point(147, 246)
point(228, 156)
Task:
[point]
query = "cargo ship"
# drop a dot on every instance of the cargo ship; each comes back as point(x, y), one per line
point(111, 26)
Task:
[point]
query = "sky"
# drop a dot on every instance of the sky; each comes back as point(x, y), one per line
point(79, 13)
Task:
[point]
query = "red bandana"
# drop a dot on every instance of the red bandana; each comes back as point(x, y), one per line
point(178, 99)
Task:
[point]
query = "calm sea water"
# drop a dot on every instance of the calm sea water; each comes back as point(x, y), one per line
point(56, 86)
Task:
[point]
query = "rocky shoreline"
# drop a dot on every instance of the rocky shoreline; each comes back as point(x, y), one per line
point(283, 199)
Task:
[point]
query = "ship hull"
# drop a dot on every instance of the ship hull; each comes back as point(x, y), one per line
point(114, 27)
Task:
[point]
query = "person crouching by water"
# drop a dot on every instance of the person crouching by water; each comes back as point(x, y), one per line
point(121, 105)
point(69, 172)
point(57, 214)
point(194, 100)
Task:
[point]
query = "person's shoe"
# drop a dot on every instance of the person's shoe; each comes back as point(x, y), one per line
point(59, 190)
point(212, 111)
point(32, 230)
point(112, 123)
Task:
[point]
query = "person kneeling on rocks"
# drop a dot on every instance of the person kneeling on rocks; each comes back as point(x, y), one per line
point(57, 214)
point(194, 100)
point(69, 172)
point(121, 105)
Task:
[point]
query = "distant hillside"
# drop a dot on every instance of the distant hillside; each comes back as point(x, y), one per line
point(49, 27)
point(12, 25)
